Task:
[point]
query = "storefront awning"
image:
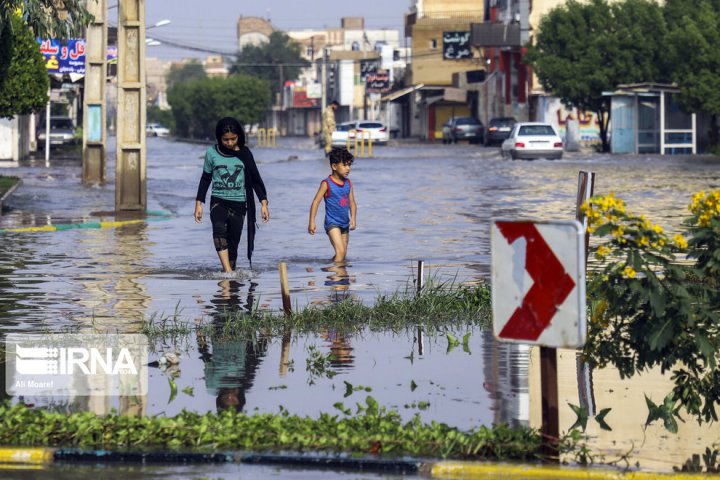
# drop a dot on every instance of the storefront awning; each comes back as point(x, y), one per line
point(401, 93)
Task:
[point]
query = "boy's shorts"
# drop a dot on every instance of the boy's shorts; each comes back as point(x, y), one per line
point(343, 230)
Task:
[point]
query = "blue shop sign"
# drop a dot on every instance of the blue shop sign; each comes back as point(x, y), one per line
point(63, 57)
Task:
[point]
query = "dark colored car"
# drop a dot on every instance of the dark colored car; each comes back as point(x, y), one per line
point(463, 128)
point(62, 132)
point(498, 130)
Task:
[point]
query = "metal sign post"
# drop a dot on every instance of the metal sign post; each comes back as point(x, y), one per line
point(538, 297)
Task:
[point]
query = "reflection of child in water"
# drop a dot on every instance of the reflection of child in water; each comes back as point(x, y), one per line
point(230, 365)
point(338, 278)
point(230, 369)
point(228, 298)
point(340, 348)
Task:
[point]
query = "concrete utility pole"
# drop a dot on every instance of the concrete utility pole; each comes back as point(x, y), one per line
point(323, 80)
point(130, 174)
point(94, 106)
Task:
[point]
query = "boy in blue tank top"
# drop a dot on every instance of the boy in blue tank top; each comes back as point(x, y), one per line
point(340, 207)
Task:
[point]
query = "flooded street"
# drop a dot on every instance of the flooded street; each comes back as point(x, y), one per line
point(419, 202)
point(415, 202)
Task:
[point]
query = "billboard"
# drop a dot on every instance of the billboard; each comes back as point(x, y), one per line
point(378, 82)
point(456, 45)
point(63, 57)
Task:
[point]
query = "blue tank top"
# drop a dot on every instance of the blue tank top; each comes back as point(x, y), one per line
point(337, 203)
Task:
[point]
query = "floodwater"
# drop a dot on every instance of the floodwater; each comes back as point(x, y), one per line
point(415, 202)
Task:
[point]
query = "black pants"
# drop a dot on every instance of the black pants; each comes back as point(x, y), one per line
point(227, 220)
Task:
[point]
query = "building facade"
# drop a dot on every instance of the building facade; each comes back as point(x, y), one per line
point(444, 65)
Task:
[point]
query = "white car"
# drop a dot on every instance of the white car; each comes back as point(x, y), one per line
point(379, 133)
point(342, 132)
point(366, 129)
point(530, 140)
point(156, 130)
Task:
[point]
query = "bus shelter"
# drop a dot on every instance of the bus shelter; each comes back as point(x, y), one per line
point(646, 118)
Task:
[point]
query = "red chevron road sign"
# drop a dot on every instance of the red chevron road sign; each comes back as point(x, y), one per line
point(538, 282)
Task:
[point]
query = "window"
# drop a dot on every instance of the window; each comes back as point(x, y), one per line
point(433, 44)
point(537, 130)
point(355, 47)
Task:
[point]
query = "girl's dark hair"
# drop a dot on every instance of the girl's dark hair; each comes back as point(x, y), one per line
point(230, 125)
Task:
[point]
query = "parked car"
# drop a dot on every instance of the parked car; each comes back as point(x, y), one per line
point(498, 129)
point(62, 132)
point(342, 132)
point(156, 130)
point(377, 132)
point(463, 128)
point(529, 140)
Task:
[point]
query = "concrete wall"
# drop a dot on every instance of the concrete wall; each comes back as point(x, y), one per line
point(428, 65)
point(15, 138)
point(433, 18)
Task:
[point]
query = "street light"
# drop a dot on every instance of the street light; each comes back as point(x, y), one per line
point(161, 23)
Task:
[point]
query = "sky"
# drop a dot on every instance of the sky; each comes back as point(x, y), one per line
point(211, 24)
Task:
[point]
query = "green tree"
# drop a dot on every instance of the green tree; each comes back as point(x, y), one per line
point(163, 117)
point(584, 49)
point(276, 61)
point(197, 105)
point(26, 82)
point(694, 50)
point(47, 18)
point(192, 70)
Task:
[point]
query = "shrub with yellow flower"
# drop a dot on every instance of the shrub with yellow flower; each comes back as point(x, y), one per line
point(648, 309)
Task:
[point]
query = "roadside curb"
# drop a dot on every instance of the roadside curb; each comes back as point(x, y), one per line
point(10, 457)
point(451, 469)
point(153, 216)
point(8, 193)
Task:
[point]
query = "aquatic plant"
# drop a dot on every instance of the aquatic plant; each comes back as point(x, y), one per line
point(655, 302)
point(437, 307)
point(373, 429)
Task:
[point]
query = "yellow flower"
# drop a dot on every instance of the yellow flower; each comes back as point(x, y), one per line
point(644, 241)
point(657, 229)
point(601, 252)
point(680, 241)
point(645, 222)
point(618, 231)
point(629, 272)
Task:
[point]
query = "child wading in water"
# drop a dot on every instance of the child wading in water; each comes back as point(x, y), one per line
point(340, 207)
point(231, 170)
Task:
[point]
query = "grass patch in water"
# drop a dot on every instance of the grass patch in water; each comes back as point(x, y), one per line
point(372, 429)
point(6, 183)
point(436, 308)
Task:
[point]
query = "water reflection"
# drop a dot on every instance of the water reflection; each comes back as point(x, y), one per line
point(114, 277)
point(653, 447)
point(229, 364)
point(506, 381)
point(341, 351)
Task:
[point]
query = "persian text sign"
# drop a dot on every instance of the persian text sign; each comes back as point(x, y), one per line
point(63, 57)
point(538, 282)
point(456, 45)
point(66, 364)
